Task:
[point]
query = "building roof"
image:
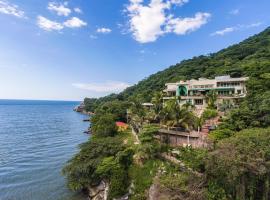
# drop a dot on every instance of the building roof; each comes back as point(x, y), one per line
point(121, 124)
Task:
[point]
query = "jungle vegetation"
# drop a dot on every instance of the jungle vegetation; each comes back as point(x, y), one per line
point(236, 167)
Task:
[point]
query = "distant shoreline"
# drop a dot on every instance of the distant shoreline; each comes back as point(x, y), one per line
point(40, 100)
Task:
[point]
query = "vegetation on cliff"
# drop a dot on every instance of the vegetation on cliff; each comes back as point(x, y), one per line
point(236, 167)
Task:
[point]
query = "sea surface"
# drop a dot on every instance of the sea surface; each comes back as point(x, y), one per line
point(37, 138)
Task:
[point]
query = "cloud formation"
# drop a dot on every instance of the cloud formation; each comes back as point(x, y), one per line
point(78, 10)
point(11, 9)
point(104, 30)
point(48, 25)
point(223, 31)
point(182, 26)
point(240, 27)
point(148, 22)
point(234, 12)
point(61, 9)
point(109, 86)
point(74, 22)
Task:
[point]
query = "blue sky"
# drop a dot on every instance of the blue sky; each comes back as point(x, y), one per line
point(66, 50)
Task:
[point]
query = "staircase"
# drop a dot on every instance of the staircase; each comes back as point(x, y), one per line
point(209, 123)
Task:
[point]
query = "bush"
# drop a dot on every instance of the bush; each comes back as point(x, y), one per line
point(111, 169)
point(104, 125)
point(220, 134)
point(240, 165)
point(81, 169)
point(142, 177)
point(193, 158)
point(209, 113)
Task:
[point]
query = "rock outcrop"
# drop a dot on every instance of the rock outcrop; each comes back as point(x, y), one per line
point(99, 192)
point(81, 109)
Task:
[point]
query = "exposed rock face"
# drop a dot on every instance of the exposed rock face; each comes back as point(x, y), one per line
point(99, 192)
point(153, 193)
point(125, 197)
point(81, 109)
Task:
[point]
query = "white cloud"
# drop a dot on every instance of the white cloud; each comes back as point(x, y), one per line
point(93, 37)
point(109, 86)
point(235, 12)
point(142, 51)
point(182, 26)
point(224, 31)
point(78, 10)
point(59, 8)
point(74, 22)
point(11, 9)
point(253, 25)
point(148, 22)
point(235, 28)
point(104, 30)
point(48, 25)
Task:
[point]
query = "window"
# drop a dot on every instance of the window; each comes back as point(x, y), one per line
point(198, 101)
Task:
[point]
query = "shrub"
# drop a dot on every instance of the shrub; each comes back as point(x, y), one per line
point(220, 134)
point(80, 170)
point(209, 113)
point(104, 125)
point(240, 165)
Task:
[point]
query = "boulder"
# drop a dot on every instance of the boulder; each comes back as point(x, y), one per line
point(99, 192)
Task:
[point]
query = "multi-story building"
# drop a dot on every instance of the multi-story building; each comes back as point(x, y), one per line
point(194, 91)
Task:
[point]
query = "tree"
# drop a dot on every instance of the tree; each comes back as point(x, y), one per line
point(240, 165)
point(137, 114)
point(173, 115)
point(116, 108)
point(104, 125)
point(81, 169)
point(157, 101)
point(211, 98)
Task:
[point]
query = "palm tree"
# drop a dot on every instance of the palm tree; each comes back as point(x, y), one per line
point(211, 98)
point(136, 114)
point(157, 101)
point(173, 115)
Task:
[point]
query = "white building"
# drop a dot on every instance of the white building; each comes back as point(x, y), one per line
point(194, 91)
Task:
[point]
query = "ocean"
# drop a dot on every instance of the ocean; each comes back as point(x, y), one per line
point(37, 138)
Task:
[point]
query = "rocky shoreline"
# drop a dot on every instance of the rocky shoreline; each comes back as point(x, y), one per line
point(81, 109)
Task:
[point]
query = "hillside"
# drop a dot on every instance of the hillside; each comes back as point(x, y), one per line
point(248, 58)
point(234, 166)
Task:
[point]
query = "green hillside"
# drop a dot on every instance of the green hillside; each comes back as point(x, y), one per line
point(236, 164)
point(248, 58)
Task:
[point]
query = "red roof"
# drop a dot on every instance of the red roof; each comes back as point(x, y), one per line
point(121, 124)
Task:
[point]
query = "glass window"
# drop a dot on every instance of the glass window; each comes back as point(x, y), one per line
point(198, 102)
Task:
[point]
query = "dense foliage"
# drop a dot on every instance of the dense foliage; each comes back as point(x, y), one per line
point(240, 166)
point(106, 156)
point(81, 170)
point(103, 125)
point(248, 58)
point(236, 167)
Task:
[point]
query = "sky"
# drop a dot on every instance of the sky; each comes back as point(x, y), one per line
point(71, 49)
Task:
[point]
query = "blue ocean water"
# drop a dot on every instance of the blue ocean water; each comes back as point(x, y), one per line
point(36, 140)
